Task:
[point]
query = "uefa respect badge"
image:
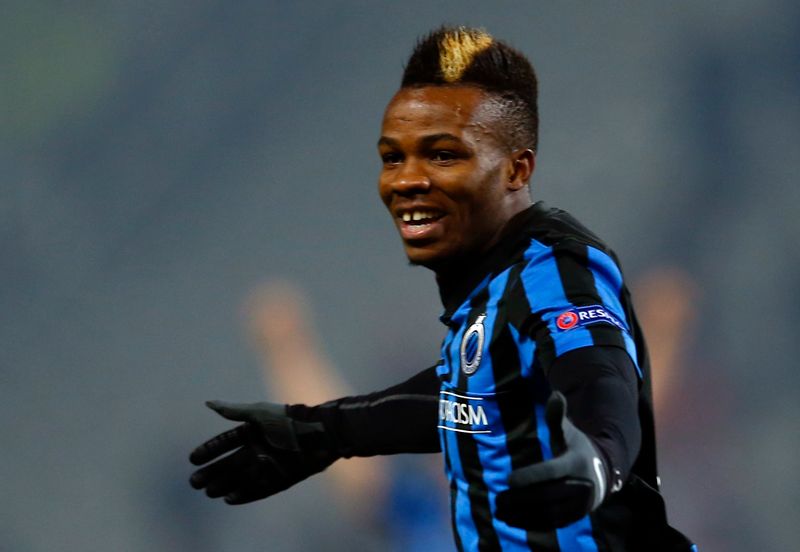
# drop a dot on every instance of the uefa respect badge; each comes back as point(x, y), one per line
point(585, 316)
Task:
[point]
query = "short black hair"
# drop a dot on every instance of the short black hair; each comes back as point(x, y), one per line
point(469, 56)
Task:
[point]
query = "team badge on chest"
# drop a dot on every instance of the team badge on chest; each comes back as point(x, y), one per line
point(472, 346)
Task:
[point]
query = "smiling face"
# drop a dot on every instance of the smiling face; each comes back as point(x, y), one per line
point(448, 179)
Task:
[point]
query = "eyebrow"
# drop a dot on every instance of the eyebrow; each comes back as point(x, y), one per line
point(385, 141)
point(425, 141)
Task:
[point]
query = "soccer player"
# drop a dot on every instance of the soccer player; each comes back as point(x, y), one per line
point(540, 401)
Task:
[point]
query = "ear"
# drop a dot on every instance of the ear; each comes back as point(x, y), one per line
point(520, 168)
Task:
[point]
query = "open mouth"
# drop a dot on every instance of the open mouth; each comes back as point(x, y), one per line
point(418, 217)
point(420, 223)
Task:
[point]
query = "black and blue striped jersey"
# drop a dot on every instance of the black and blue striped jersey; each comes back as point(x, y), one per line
point(547, 308)
point(548, 288)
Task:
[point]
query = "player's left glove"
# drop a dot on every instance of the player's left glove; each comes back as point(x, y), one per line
point(559, 491)
point(276, 446)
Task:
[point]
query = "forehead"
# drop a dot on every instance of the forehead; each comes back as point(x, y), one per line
point(435, 108)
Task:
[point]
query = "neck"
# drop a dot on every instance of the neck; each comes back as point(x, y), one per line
point(455, 265)
point(457, 277)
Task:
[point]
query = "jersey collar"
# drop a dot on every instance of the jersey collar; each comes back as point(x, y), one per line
point(461, 279)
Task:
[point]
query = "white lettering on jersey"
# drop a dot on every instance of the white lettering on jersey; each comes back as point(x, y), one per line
point(465, 417)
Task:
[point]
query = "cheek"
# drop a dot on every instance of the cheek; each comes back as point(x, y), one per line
point(384, 191)
point(481, 206)
point(482, 191)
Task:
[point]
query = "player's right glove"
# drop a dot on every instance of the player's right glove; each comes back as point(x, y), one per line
point(556, 492)
point(275, 447)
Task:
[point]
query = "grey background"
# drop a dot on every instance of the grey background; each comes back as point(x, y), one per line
point(161, 159)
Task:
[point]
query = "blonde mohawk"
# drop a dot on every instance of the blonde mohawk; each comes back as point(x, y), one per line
point(458, 48)
point(464, 56)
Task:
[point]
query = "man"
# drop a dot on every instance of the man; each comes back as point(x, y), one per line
point(540, 401)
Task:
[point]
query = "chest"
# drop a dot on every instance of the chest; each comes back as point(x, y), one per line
point(483, 352)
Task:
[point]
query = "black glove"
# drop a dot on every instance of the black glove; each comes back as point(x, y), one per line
point(276, 446)
point(559, 491)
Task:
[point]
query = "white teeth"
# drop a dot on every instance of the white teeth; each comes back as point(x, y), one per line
point(416, 216)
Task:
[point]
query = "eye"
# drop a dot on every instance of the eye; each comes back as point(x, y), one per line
point(444, 156)
point(391, 158)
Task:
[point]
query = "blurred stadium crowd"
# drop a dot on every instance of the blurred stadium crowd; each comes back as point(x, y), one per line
point(162, 160)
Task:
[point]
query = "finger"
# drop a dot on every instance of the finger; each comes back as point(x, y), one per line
point(262, 475)
point(553, 504)
point(558, 467)
point(228, 474)
point(242, 496)
point(219, 445)
point(232, 411)
point(229, 479)
point(218, 489)
point(220, 469)
point(554, 413)
point(222, 485)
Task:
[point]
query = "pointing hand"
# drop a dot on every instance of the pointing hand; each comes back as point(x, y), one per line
point(556, 492)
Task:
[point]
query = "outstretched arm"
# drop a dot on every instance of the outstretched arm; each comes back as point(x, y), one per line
point(277, 446)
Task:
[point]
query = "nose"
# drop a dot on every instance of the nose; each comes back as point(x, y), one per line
point(410, 179)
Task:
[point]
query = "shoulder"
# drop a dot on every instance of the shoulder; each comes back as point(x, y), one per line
point(564, 253)
point(561, 258)
point(572, 264)
point(552, 226)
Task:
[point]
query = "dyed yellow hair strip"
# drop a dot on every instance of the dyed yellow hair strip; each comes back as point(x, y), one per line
point(458, 49)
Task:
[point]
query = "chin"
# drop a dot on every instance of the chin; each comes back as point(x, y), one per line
point(432, 260)
point(418, 256)
point(418, 260)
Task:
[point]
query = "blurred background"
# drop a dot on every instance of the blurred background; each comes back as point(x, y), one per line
point(161, 161)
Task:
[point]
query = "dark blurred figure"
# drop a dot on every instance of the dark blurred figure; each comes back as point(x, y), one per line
point(402, 498)
point(694, 412)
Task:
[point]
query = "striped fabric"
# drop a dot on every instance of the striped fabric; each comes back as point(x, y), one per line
point(558, 289)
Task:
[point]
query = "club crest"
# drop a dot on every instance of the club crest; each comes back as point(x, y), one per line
point(472, 346)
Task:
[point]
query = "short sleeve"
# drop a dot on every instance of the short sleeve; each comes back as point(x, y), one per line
point(573, 293)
